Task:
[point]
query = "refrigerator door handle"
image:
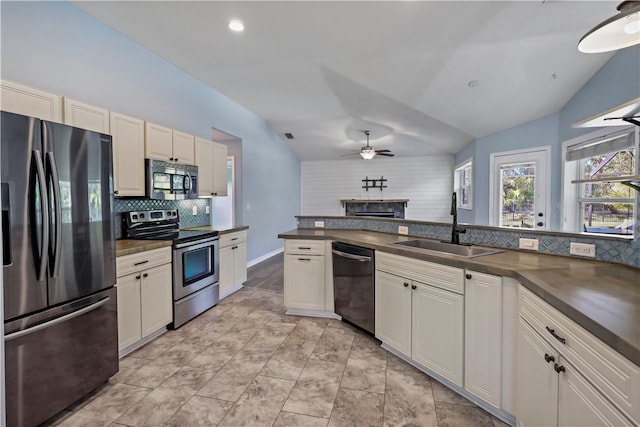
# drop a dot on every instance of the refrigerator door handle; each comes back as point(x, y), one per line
point(44, 206)
point(55, 178)
point(57, 321)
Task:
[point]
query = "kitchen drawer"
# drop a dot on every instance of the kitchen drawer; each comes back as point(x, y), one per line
point(129, 264)
point(614, 375)
point(294, 246)
point(233, 238)
point(441, 276)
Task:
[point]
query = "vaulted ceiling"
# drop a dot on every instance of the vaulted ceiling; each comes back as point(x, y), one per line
point(424, 77)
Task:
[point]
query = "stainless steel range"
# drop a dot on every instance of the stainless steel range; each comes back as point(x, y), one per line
point(195, 259)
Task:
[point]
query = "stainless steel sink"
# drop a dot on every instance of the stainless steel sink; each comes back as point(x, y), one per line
point(448, 248)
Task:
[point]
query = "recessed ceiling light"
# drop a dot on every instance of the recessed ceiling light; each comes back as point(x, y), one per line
point(474, 83)
point(236, 25)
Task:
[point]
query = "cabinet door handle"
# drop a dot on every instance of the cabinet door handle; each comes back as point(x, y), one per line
point(235, 238)
point(304, 259)
point(414, 287)
point(145, 275)
point(141, 262)
point(176, 159)
point(406, 285)
point(548, 358)
point(116, 192)
point(468, 276)
point(304, 248)
point(138, 277)
point(558, 368)
point(556, 336)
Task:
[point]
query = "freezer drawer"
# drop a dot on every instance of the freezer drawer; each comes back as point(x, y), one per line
point(54, 363)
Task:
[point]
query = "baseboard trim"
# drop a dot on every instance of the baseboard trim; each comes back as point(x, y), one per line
point(313, 313)
point(264, 257)
point(136, 345)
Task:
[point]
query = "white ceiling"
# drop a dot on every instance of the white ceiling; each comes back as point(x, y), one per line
point(326, 71)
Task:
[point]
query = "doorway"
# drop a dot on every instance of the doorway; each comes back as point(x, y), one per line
point(519, 189)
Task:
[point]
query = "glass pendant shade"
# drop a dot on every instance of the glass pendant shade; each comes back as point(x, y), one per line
point(367, 153)
point(617, 32)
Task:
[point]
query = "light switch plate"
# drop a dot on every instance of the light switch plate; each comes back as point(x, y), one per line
point(195, 210)
point(530, 244)
point(582, 249)
point(319, 224)
point(403, 230)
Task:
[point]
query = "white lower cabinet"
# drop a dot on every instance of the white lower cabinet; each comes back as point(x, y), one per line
point(308, 278)
point(393, 311)
point(483, 364)
point(305, 281)
point(233, 262)
point(561, 383)
point(437, 330)
point(421, 321)
point(144, 296)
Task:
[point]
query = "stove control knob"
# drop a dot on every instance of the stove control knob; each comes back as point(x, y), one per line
point(141, 215)
point(134, 216)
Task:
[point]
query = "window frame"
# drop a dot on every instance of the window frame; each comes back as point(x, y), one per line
point(458, 171)
point(573, 194)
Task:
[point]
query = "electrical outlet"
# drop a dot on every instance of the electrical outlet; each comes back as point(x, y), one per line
point(403, 230)
point(207, 209)
point(531, 244)
point(582, 249)
point(194, 210)
point(319, 224)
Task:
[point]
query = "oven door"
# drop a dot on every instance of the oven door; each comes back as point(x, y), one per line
point(195, 266)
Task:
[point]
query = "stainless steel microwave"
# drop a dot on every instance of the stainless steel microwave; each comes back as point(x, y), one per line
point(171, 181)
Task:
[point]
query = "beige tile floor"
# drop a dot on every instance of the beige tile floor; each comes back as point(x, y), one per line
point(246, 363)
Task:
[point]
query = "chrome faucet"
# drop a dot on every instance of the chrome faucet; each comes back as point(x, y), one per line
point(455, 230)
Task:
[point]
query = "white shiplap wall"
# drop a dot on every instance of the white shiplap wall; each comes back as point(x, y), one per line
point(426, 181)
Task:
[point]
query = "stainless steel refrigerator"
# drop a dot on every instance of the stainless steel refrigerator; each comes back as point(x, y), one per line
point(60, 318)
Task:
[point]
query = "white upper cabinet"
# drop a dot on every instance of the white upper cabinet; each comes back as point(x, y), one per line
point(163, 143)
point(20, 99)
point(183, 148)
point(211, 159)
point(86, 116)
point(128, 155)
point(219, 169)
point(204, 161)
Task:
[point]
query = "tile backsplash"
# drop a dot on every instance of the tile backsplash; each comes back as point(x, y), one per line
point(185, 210)
point(607, 249)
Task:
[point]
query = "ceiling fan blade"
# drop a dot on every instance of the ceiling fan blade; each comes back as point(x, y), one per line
point(385, 154)
point(352, 154)
point(383, 151)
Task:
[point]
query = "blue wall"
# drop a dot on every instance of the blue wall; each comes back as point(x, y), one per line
point(617, 82)
point(58, 48)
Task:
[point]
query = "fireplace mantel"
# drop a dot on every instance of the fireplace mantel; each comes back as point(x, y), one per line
point(344, 201)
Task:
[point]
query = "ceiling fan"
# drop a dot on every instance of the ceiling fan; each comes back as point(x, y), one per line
point(368, 152)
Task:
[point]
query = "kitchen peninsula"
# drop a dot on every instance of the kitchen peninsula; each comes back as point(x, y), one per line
point(584, 313)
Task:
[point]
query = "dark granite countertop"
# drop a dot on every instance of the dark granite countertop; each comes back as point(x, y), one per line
point(128, 247)
point(603, 298)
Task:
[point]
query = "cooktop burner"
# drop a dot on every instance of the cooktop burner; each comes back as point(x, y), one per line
point(159, 225)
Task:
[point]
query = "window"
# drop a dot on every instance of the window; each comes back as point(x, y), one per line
point(602, 206)
point(463, 184)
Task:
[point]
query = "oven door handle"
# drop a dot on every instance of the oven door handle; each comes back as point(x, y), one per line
point(198, 244)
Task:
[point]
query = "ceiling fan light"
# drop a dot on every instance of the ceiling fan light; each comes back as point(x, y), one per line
point(617, 32)
point(367, 153)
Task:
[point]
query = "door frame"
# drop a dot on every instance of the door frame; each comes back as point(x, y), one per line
point(520, 155)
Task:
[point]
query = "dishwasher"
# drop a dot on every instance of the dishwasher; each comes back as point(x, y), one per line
point(353, 284)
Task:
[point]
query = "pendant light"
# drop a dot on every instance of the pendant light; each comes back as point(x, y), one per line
point(617, 32)
point(367, 152)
